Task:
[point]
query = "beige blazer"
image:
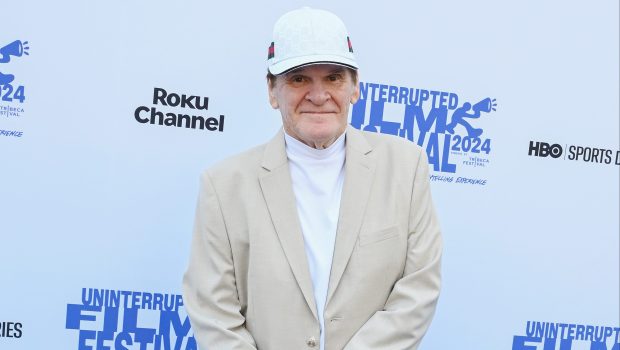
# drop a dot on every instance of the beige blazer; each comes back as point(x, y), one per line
point(248, 285)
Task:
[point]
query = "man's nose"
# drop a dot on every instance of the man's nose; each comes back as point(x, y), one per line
point(318, 93)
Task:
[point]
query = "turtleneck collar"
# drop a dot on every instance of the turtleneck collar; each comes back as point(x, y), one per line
point(299, 148)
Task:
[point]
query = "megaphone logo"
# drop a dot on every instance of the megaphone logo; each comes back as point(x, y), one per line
point(17, 48)
point(487, 105)
point(460, 114)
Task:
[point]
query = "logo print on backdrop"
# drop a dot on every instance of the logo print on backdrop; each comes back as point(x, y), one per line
point(456, 145)
point(145, 115)
point(126, 320)
point(575, 153)
point(568, 336)
point(10, 329)
point(9, 91)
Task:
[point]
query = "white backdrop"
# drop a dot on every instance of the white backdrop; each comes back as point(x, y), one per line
point(91, 198)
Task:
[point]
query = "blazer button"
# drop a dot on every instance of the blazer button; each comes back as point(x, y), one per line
point(311, 342)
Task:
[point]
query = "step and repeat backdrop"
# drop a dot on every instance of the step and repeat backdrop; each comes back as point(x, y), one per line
point(109, 111)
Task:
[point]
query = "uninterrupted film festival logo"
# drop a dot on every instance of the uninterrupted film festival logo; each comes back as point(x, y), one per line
point(127, 320)
point(12, 92)
point(567, 336)
point(170, 103)
point(449, 129)
point(581, 154)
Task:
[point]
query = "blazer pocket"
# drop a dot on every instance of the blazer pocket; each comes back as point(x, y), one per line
point(378, 236)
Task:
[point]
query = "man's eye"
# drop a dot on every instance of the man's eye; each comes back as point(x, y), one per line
point(297, 79)
point(335, 77)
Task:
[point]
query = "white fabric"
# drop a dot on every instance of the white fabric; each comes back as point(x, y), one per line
point(309, 35)
point(317, 176)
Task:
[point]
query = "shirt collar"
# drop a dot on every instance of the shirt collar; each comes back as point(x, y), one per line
point(296, 147)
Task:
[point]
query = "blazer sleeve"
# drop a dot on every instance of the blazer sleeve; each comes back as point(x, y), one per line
point(209, 288)
point(411, 304)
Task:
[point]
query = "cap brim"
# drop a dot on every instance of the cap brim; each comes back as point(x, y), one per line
point(296, 62)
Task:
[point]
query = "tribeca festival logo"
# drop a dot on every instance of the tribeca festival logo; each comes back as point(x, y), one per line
point(11, 91)
point(127, 320)
point(161, 97)
point(421, 116)
point(566, 336)
point(576, 153)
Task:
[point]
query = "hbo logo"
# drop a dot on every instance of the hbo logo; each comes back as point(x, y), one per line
point(543, 149)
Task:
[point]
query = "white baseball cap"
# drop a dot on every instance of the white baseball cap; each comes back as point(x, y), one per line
point(309, 36)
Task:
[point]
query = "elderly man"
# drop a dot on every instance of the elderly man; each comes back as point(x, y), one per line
point(325, 237)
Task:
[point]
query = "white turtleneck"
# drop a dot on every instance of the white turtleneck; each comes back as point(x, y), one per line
point(317, 175)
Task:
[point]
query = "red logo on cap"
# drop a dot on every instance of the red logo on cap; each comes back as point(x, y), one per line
point(350, 46)
point(271, 51)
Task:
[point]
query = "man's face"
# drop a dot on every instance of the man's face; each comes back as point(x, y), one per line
point(314, 102)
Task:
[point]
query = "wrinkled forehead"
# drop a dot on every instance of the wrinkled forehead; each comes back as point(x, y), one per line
point(318, 69)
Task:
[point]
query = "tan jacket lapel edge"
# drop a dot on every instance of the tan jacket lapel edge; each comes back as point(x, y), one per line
point(359, 171)
point(276, 185)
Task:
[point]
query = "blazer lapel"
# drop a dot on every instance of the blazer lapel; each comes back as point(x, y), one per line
point(359, 171)
point(276, 185)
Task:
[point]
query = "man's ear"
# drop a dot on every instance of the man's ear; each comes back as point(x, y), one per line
point(272, 97)
point(356, 93)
